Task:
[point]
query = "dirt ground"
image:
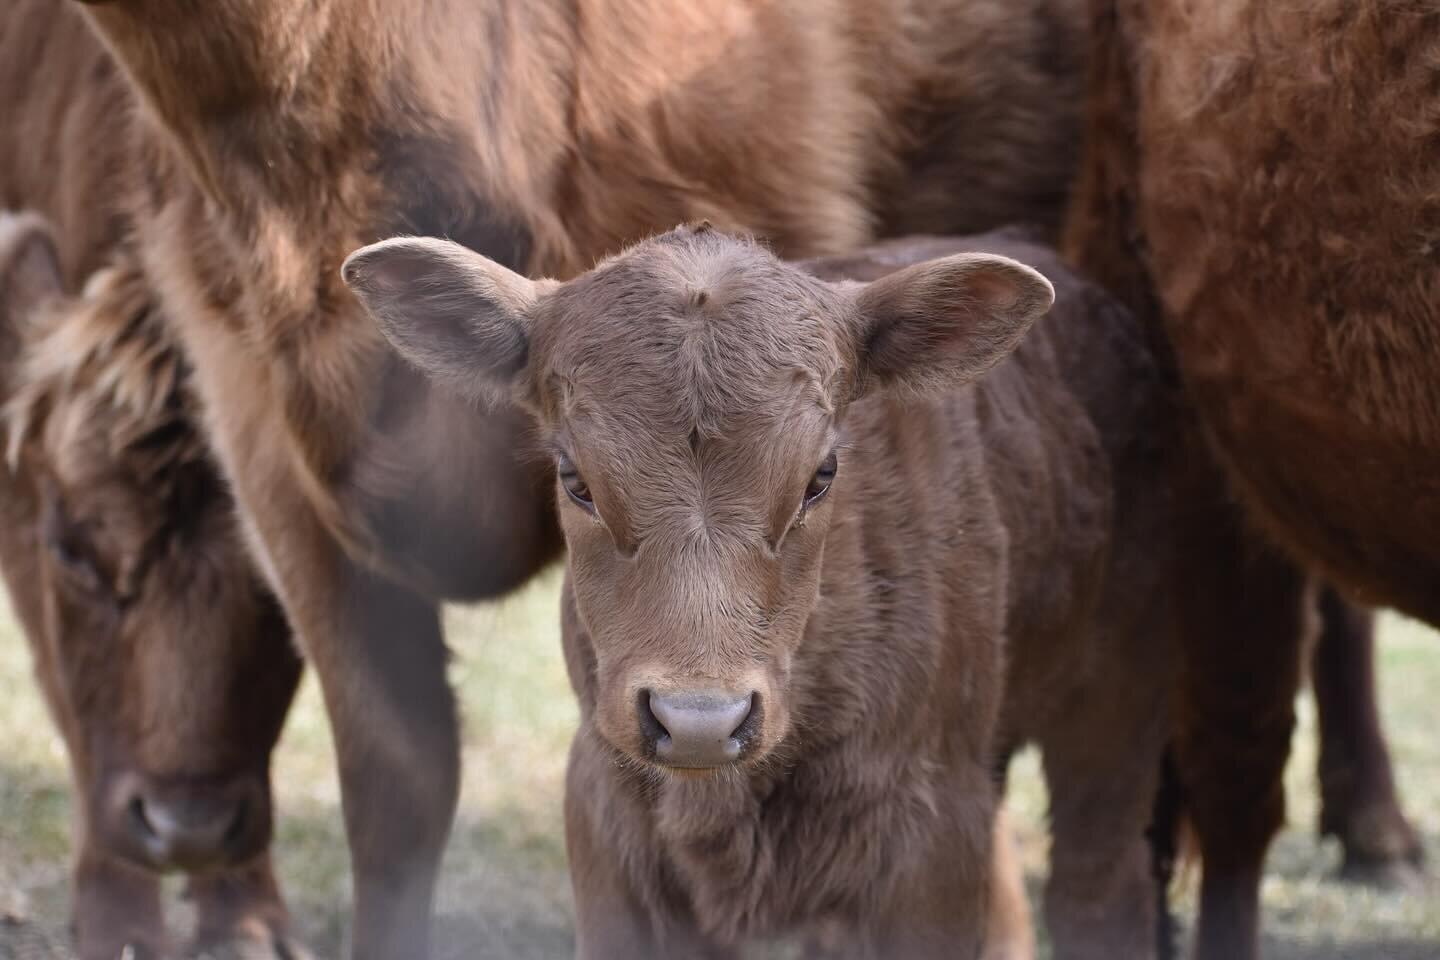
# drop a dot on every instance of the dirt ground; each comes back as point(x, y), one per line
point(505, 893)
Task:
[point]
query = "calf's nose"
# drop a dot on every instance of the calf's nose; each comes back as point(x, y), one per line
point(191, 831)
point(697, 728)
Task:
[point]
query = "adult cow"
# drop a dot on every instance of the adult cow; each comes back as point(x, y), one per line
point(1261, 180)
point(276, 135)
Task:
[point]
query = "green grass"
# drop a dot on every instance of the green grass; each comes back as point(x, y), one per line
point(505, 893)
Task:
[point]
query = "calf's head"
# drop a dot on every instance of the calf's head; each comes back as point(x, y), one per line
point(693, 393)
point(166, 665)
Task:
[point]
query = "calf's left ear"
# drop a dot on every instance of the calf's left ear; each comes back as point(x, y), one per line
point(457, 316)
point(942, 323)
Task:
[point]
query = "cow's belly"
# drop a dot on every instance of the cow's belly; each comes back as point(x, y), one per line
point(1291, 197)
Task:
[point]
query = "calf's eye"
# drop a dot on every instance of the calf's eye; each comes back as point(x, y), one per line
point(820, 483)
point(574, 484)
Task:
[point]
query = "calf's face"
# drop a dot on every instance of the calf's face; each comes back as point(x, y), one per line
point(692, 392)
point(166, 665)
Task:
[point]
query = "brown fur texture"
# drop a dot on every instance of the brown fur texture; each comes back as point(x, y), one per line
point(66, 127)
point(270, 137)
point(981, 570)
point(1289, 175)
point(166, 665)
point(1229, 147)
point(1254, 184)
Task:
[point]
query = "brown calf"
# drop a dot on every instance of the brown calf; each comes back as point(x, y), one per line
point(1259, 184)
point(274, 136)
point(820, 578)
point(166, 665)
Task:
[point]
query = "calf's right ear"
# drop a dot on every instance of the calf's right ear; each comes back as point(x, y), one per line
point(460, 318)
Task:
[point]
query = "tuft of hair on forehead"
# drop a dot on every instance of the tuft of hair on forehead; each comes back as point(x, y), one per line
point(694, 328)
point(103, 362)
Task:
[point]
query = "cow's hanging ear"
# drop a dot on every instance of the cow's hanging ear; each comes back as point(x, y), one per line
point(944, 322)
point(29, 265)
point(457, 316)
point(29, 276)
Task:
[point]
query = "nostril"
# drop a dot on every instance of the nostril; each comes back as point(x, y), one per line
point(651, 729)
point(139, 819)
point(749, 727)
point(235, 833)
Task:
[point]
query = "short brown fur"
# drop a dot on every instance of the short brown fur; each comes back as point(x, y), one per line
point(1254, 200)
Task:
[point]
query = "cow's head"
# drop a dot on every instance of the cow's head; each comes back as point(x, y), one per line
point(693, 392)
point(166, 665)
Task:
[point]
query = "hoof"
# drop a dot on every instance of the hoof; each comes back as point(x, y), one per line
point(1381, 850)
point(1392, 873)
point(259, 944)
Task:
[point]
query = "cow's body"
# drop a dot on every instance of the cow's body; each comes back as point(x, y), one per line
point(1259, 184)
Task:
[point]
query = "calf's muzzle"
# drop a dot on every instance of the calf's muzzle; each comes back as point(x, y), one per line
point(697, 729)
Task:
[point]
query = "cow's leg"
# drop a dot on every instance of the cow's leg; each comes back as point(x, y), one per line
point(379, 656)
point(240, 912)
point(1102, 766)
point(378, 652)
point(1359, 802)
point(1242, 624)
point(1010, 934)
point(375, 645)
point(114, 906)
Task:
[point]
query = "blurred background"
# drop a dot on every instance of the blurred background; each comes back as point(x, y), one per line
point(504, 889)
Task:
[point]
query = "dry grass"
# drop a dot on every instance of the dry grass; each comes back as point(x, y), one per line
point(505, 892)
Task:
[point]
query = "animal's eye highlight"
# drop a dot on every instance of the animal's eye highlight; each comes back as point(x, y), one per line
point(575, 486)
point(820, 483)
